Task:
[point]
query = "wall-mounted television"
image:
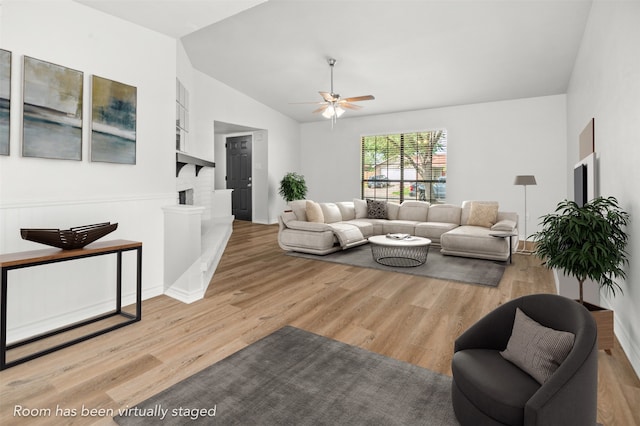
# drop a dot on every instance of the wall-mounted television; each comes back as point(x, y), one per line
point(580, 184)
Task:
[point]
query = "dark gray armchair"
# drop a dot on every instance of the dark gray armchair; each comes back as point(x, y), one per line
point(489, 390)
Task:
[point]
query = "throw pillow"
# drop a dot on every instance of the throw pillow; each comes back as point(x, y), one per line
point(314, 212)
point(376, 209)
point(360, 207)
point(330, 212)
point(392, 210)
point(536, 349)
point(484, 215)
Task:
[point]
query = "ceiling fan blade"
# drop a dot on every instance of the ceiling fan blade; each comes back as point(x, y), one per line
point(348, 105)
point(321, 109)
point(329, 97)
point(307, 103)
point(360, 98)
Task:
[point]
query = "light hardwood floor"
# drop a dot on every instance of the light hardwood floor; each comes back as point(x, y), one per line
point(258, 289)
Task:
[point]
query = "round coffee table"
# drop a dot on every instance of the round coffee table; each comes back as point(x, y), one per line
point(406, 252)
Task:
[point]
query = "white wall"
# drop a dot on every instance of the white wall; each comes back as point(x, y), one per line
point(275, 152)
point(605, 85)
point(488, 145)
point(59, 194)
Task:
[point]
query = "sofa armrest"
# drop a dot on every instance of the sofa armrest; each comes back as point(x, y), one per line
point(504, 225)
point(301, 225)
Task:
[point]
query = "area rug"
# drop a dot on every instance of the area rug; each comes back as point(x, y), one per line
point(293, 377)
point(452, 268)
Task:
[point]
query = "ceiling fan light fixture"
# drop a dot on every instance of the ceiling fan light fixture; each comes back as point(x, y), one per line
point(333, 106)
point(329, 112)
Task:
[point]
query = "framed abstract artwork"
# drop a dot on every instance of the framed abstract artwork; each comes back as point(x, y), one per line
point(5, 100)
point(113, 121)
point(52, 111)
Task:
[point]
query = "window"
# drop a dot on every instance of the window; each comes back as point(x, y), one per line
point(405, 166)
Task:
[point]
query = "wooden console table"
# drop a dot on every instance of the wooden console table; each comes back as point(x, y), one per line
point(26, 259)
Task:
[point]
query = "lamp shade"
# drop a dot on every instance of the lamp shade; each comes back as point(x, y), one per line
point(525, 180)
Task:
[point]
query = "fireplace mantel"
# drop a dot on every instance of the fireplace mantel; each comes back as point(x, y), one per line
point(183, 159)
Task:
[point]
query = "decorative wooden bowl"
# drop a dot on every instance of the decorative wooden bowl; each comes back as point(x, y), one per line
point(68, 239)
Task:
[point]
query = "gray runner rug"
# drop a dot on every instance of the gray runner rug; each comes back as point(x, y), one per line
point(293, 377)
point(452, 268)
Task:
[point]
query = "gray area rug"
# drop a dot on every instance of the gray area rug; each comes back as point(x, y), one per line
point(452, 268)
point(293, 377)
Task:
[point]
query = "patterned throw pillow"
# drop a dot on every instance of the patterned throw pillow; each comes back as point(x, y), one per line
point(484, 215)
point(536, 349)
point(376, 209)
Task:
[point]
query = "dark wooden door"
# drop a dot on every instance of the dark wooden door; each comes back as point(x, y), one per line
point(239, 175)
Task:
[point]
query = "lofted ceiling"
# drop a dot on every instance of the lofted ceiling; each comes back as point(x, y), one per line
point(409, 54)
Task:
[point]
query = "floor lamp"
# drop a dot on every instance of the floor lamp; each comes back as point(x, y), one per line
point(525, 180)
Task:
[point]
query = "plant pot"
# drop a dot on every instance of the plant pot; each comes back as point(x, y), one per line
point(604, 322)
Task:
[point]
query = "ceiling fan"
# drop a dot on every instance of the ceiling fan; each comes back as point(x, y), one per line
point(333, 105)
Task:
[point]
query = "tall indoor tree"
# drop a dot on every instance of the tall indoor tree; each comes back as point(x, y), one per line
point(587, 242)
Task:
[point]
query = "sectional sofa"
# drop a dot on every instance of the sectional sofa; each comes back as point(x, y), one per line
point(322, 228)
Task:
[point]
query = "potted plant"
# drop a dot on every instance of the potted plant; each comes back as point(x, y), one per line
point(293, 187)
point(587, 242)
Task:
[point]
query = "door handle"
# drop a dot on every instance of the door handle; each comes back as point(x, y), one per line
point(248, 185)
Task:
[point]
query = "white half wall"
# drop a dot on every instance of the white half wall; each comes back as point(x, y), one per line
point(605, 85)
point(488, 145)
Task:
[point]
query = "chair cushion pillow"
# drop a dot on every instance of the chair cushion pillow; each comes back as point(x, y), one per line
point(314, 212)
point(537, 349)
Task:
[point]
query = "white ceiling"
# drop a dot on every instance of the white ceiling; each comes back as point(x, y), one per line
point(409, 54)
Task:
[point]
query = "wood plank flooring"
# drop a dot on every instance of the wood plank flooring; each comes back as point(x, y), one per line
point(258, 289)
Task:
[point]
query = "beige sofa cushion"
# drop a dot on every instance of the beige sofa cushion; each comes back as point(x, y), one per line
point(330, 212)
point(433, 230)
point(347, 210)
point(474, 240)
point(392, 210)
point(484, 215)
point(299, 208)
point(287, 217)
point(314, 212)
point(399, 227)
point(444, 213)
point(360, 208)
point(414, 210)
point(349, 235)
point(303, 225)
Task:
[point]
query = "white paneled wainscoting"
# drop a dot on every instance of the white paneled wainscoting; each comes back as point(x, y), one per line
point(49, 296)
